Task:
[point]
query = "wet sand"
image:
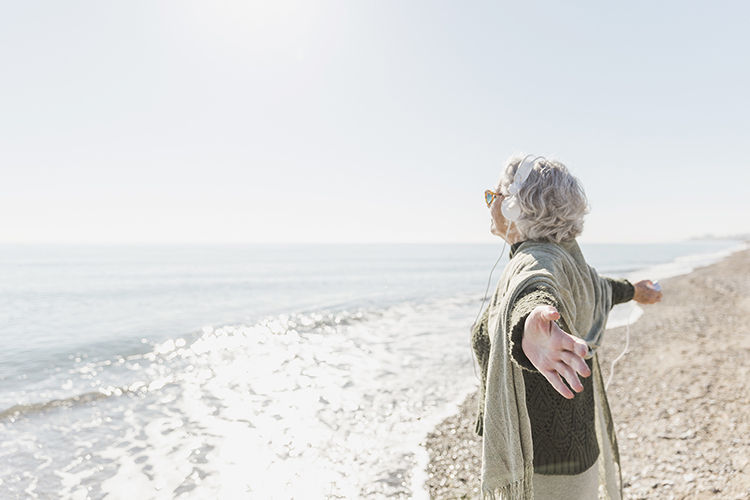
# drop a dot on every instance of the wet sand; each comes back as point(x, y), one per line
point(680, 397)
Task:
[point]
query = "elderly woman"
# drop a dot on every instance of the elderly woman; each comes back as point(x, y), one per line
point(547, 434)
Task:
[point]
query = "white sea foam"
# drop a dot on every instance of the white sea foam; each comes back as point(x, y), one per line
point(313, 406)
point(627, 314)
point(685, 264)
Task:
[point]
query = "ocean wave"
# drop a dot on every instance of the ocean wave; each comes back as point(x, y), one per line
point(19, 410)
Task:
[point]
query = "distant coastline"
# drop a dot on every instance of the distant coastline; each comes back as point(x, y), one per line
point(710, 237)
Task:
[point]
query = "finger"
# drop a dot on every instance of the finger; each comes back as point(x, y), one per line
point(554, 379)
point(571, 343)
point(570, 376)
point(581, 347)
point(576, 362)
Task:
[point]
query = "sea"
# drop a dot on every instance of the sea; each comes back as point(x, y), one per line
point(249, 372)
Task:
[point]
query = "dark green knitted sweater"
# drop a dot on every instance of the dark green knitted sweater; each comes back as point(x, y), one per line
point(563, 430)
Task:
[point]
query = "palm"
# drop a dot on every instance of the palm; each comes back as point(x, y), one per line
point(553, 352)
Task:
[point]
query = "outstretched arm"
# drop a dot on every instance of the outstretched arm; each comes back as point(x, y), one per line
point(553, 352)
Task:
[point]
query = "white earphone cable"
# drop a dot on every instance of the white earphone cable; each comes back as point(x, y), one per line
point(489, 279)
point(627, 344)
point(486, 291)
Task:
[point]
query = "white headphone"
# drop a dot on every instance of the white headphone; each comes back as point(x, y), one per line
point(510, 207)
point(512, 212)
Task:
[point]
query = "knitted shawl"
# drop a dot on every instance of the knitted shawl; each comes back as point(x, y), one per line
point(584, 300)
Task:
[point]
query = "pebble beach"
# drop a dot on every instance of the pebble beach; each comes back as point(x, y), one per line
point(680, 397)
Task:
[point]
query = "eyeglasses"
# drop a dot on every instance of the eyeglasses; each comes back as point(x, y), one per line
point(489, 197)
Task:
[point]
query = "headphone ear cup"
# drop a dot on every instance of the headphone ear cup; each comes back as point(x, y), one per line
point(511, 209)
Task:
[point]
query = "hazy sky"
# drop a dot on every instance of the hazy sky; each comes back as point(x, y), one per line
point(365, 121)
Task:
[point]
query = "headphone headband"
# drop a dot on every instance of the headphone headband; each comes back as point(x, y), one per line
point(524, 169)
point(510, 207)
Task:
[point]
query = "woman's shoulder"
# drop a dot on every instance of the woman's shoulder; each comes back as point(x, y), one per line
point(552, 256)
point(534, 247)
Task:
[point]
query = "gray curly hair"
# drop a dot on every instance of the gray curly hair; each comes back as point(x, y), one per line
point(552, 201)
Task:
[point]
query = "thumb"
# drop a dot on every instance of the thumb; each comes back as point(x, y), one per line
point(549, 313)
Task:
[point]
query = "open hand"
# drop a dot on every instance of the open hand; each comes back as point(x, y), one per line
point(553, 352)
point(645, 293)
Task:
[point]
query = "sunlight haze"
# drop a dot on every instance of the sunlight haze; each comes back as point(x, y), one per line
point(358, 122)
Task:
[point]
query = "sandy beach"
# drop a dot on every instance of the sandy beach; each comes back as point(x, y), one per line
point(680, 397)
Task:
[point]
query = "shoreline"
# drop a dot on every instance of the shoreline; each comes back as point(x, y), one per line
point(682, 413)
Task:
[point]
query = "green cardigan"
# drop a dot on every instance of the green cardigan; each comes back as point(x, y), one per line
point(563, 431)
